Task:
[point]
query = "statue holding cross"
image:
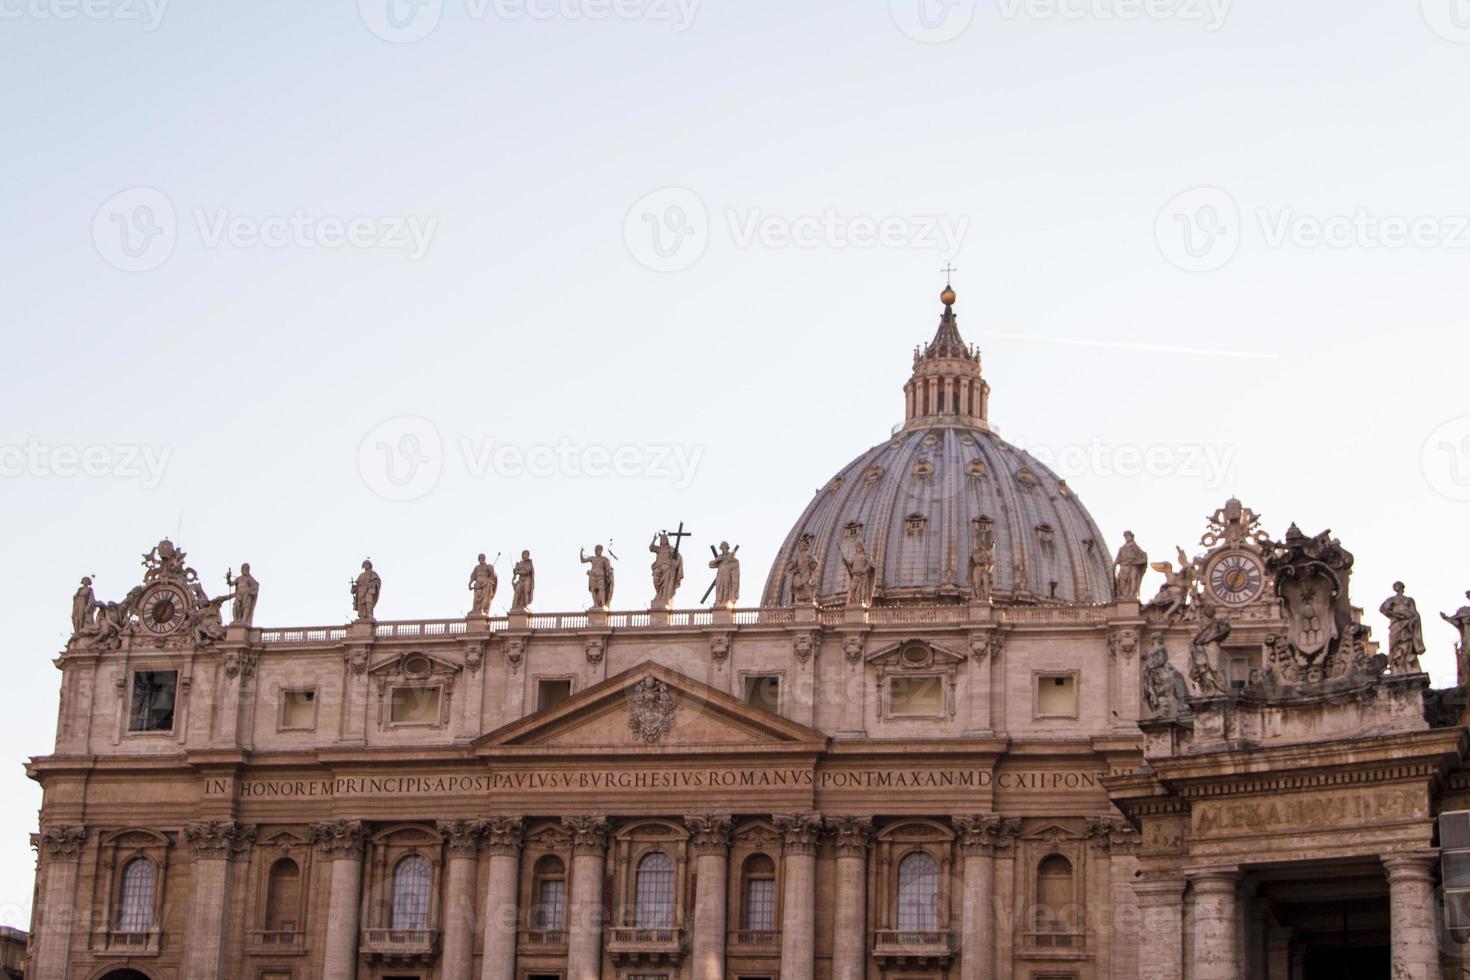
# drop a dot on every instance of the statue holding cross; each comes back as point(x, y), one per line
point(668, 566)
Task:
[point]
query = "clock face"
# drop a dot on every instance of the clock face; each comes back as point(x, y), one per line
point(164, 611)
point(1237, 579)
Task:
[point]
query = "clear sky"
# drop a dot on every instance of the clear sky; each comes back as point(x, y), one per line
point(565, 271)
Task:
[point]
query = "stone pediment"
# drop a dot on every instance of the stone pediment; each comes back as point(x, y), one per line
point(654, 706)
point(916, 655)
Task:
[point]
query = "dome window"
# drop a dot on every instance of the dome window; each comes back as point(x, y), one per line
point(923, 470)
point(977, 470)
point(915, 525)
point(874, 474)
point(1026, 478)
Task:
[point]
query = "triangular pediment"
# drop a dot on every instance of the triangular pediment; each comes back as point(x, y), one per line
point(917, 654)
point(653, 707)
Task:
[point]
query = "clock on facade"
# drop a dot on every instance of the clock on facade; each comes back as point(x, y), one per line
point(1236, 579)
point(164, 610)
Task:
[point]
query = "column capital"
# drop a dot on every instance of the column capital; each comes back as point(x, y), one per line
point(980, 833)
point(219, 840)
point(589, 833)
point(504, 836)
point(462, 837)
point(799, 831)
point(852, 835)
point(709, 833)
point(1214, 881)
point(1111, 834)
point(1411, 865)
point(63, 843)
point(341, 840)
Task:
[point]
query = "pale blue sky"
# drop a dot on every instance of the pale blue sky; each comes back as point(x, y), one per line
point(1053, 136)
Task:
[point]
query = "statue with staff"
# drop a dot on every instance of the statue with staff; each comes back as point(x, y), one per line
point(726, 585)
point(601, 579)
point(668, 566)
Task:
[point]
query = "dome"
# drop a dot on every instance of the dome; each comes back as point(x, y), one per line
point(920, 502)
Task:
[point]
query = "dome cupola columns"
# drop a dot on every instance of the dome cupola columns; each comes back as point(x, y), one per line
point(946, 387)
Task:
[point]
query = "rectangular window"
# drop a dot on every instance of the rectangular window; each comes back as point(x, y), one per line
point(552, 692)
point(1056, 696)
point(414, 706)
point(764, 691)
point(760, 905)
point(916, 697)
point(153, 701)
point(550, 912)
point(298, 710)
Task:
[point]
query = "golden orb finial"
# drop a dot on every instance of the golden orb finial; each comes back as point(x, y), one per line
point(948, 296)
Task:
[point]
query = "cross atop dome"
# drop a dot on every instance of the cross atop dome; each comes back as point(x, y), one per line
point(946, 385)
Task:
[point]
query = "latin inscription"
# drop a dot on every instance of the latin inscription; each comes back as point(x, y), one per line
point(653, 778)
point(1323, 810)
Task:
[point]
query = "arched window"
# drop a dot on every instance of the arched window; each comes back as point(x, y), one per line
point(549, 895)
point(918, 893)
point(411, 893)
point(759, 884)
point(135, 900)
point(283, 897)
point(654, 904)
point(1055, 909)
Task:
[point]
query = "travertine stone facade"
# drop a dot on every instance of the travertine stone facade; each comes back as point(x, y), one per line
point(942, 747)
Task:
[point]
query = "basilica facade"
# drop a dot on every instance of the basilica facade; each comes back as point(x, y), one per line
point(951, 740)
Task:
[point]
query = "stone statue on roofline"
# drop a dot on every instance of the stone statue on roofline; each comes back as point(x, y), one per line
point(366, 589)
point(483, 585)
point(804, 572)
point(862, 574)
point(601, 578)
point(726, 564)
point(523, 583)
point(982, 561)
point(1178, 588)
point(1405, 632)
point(1205, 653)
point(84, 609)
point(668, 571)
point(1165, 690)
point(1129, 568)
point(1461, 622)
point(246, 592)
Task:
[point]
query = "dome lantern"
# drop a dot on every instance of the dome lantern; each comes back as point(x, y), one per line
point(946, 386)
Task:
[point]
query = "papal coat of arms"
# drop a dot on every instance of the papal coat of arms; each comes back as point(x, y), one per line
point(651, 710)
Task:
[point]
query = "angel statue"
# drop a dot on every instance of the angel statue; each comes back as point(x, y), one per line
point(1178, 587)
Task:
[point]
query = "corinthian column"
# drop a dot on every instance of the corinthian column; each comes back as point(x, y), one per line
point(1412, 914)
point(214, 845)
point(56, 919)
point(710, 837)
point(852, 835)
point(589, 861)
point(1161, 928)
point(799, 832)
point(503, 839)
point(462, 841)
point(1216, 950)
point(341, 843)
point(977, 836)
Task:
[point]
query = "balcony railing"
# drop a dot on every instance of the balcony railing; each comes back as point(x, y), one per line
point(910, 946)
point(1071, 941)
point(143, 943)
point(761, 939)
point(637, 945)
point(550, 939)
point(420, 945)
point(278, 942)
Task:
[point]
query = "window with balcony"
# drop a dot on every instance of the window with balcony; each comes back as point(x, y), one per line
point(759, 884)
point(549, 895)
point(154, 693)
point(654, 892)
point(918, 893)
point(135, 899)
point(411, 878)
